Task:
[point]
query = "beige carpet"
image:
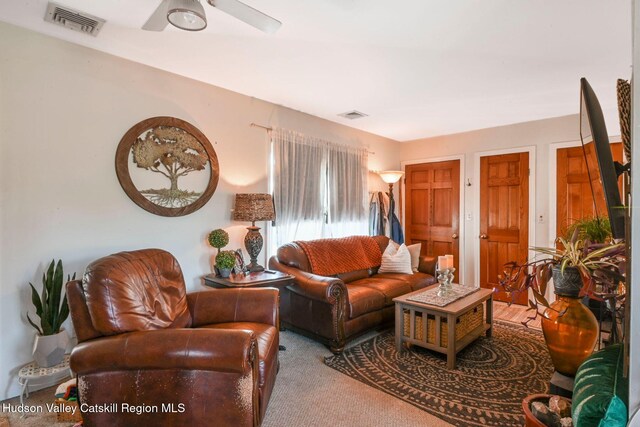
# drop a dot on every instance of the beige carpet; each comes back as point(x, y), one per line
point(307, 394)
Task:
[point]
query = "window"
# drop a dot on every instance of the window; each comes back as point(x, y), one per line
point(319, 188)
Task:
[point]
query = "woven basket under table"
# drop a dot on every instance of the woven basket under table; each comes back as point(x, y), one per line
point(464, 324)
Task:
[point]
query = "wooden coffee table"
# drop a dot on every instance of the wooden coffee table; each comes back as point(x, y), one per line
point(451, 312)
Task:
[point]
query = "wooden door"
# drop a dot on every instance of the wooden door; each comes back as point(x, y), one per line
point(433, 208)
point(574, 198)
point(504, 217)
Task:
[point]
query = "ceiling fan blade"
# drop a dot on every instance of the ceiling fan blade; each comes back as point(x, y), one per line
point(247, 14)
point(158, 19)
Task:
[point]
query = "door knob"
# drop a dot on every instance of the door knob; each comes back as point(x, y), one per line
point(484, 236)
point(454, 236)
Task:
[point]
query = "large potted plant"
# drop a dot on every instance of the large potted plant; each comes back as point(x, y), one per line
point(578, 267)
point(596, 230)
point(52, 309)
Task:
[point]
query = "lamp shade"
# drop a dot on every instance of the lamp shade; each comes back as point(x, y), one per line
point(254, 207)
point(391, 177)
point(187, 15)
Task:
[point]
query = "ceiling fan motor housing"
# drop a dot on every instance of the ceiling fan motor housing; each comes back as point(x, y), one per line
point(187, 15)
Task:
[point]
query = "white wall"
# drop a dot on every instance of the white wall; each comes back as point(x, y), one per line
point(634, 339)
point(63, 110)
point(537, 136)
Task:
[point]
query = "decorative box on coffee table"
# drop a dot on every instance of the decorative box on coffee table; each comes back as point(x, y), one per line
point(427, 325)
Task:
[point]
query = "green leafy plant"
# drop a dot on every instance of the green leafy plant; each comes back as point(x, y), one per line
point(226, 259)
point(583, 254)
point(601, 264)
point(218, 238)
point(51, 306)
point(596, 229)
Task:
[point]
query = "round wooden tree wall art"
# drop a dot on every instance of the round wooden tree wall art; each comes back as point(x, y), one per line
point(167, 166)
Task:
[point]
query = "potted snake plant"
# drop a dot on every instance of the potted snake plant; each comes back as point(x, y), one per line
point(52, 308)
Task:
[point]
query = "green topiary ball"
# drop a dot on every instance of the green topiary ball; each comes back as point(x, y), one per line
point(218, 238)
point(226, 259)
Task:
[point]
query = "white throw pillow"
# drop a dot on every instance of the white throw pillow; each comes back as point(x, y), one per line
point(414, 250)
point(396, 259)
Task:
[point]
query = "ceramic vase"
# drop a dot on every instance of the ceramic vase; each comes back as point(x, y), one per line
point(49, 350)
point(570, 329)
point(224, 272)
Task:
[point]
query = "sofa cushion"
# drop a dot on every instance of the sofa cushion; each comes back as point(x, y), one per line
point(416, 280)
point(389, 287)
point(414, 250)
point(382, 242)
point(352, 276)
point(363, 299)
point(600, 390)
point(396, 259)
point(292, 255)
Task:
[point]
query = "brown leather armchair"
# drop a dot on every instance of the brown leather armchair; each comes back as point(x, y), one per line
point(151, 354)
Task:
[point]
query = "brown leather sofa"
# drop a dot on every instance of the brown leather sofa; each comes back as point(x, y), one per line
point(209, 357)
point(336, 309)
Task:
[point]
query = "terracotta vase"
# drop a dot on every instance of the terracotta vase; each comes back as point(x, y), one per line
point(572, 336)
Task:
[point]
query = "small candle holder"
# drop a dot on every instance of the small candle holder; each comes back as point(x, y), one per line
point(450, 278)
point(443, 279)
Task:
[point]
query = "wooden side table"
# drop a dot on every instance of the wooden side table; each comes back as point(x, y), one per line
point(259, 279)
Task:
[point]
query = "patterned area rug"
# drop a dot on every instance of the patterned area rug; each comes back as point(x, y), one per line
point(491, 378)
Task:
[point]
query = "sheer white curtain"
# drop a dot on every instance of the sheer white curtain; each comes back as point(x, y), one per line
point(299, 190)
point(319, 189)
point(347, 176)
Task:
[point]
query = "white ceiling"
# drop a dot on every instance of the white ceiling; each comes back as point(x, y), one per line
point(419, 68)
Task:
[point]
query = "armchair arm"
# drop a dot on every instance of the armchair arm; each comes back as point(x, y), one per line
point(259, 305)
point(313, 286)
point(427, 265)
point(232, 351)
point(80, 312)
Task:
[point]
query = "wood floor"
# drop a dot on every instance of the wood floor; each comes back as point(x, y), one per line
point(514, 313)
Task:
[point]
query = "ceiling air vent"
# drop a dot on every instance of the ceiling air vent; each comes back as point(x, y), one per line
point(73, 19)
point(352, 115)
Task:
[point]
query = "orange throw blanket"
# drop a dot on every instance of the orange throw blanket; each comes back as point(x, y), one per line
point(329, 257)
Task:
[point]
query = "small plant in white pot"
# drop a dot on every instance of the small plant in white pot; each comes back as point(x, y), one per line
point(52, 309)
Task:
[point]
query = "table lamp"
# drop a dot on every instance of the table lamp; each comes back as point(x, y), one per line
point(254, 207)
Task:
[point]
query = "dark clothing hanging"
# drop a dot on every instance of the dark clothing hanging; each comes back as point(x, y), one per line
point(397, 234)
point(382, 218)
